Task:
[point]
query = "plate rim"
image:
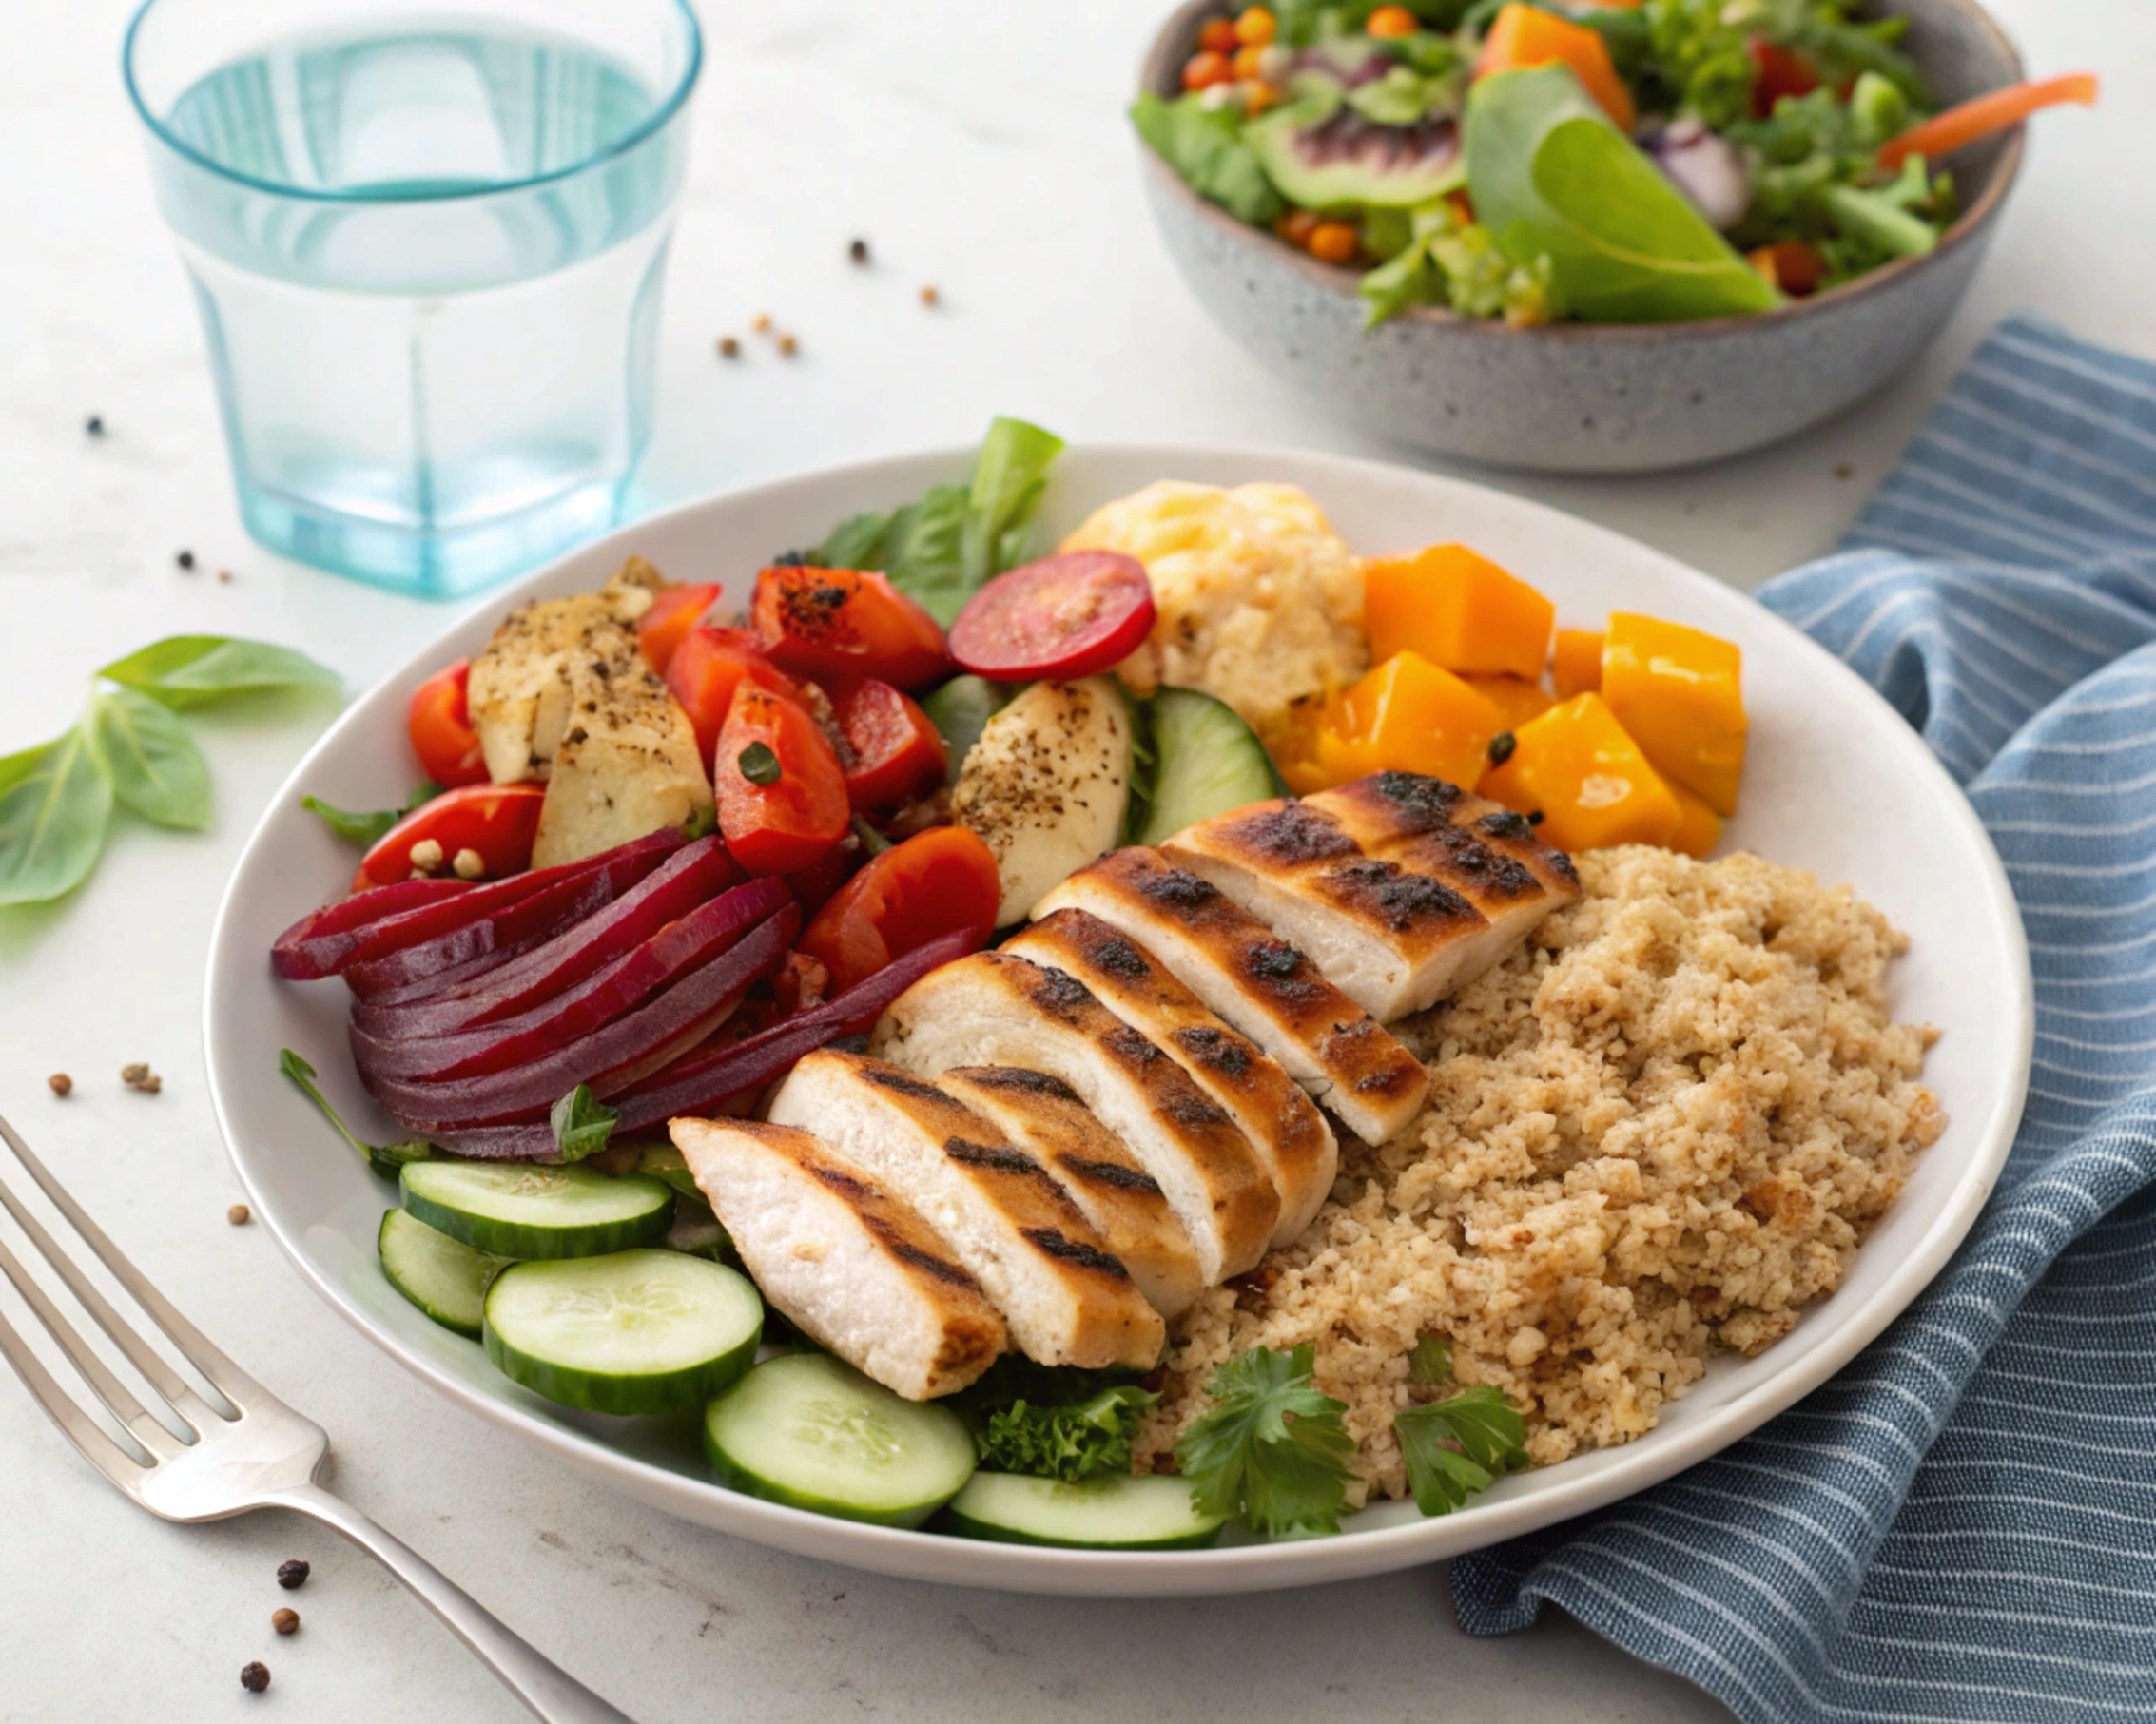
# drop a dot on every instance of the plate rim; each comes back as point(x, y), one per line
point(917, 1555)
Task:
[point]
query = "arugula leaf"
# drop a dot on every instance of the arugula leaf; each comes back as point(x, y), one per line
point(1271, 1447)
point(55, 803)
point(1432, 1361)
point(1551, 176)
point(1066, 1443)
point(1205, 148)
point(581, 1124)
point(1456, 1448)
point(367, 830)
point(941, 550)
point(384, 1158)
point(155, 768)
point(191, 669)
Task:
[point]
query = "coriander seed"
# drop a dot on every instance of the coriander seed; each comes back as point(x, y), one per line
point(285, 1620)
point(224, 574)
point(239, 1215)
point(293, 1575)
point(761, 321)
point(253, 1678)
point(467, 864)
point(60, 1083)
point(729, 348)
point(140, 1077)
point(788, 346)
point(930, 297)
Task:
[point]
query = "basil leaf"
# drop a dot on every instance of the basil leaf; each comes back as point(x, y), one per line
point(156, 769)
point(383, 1158)
point(1205, 148)
point(1551, 176)
point(55, 803)
point(367, 830)
point(1009, 474)
point(581, 1124)
point(191, 669)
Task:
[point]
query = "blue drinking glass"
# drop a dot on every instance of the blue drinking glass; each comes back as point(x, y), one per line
point(427, 248)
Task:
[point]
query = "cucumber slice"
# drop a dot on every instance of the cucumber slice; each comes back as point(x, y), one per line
point(631, 1332)
point(806, 1430)
point(1117, 1512)
point(661, 1161)
point(1206, 761)
point(443, 1277)
point(515, 1210)
point(961, 710)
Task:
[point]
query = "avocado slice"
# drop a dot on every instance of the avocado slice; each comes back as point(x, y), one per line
point(1325, 155)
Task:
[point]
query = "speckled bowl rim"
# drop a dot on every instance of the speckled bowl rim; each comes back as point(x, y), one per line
point(1171, 46)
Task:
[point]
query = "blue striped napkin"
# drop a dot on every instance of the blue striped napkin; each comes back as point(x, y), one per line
point(1962, 1525)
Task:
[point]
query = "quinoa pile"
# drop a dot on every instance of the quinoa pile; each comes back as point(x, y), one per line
point(1658, 1130)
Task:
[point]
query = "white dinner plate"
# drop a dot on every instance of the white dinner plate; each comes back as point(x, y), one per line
point(1836, 783)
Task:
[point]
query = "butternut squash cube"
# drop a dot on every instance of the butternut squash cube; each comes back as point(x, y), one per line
point(1516, 698)
point(1701, 828)
point(1577, 768)
point(1459, 611)
point(1676, 690)
point(1407, 716)
point(1576, 667)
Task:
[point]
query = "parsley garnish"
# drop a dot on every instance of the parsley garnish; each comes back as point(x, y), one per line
point(581, 1123)
point(1432, 1361)
point(1489, 1434)
point(1272, 1447)
point(1054, 1422)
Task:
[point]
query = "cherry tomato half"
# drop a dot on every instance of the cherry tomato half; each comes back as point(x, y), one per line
point(672, 614)
point(845, 623)
point(1066, 616)
point(707, 668)
point(897, 752)
point(781, 791)
point(497, 821)
point(1783, 71)
point(440, 726)
point(941, 882)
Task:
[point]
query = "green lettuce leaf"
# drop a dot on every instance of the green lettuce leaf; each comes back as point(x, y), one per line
point(1205, 148)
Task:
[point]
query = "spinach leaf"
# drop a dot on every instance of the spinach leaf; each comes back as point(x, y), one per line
point(1551, 176)
point(155, 768)
point(940, 550)
point(1205, 146)
point(581, 1123)
point(191, 669)
point(56, 802)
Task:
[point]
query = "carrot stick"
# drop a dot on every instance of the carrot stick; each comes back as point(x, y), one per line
point(1984, 116)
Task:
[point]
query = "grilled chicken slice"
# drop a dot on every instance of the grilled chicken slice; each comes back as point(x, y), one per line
point(843, 1260)
point(1259, 984)
point(1067, 1297)
point(1487, 854)
point(1290, 1134)
point(1004, 1010)
point(1044, 1116)
point(1393, 939)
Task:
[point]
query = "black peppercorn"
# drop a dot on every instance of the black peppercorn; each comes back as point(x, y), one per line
point(253, 1678)
point(1500, 746)
point(186, 559)
point(292, 1574)
point(858, 251)
point(93, 426)
point(1536, 818)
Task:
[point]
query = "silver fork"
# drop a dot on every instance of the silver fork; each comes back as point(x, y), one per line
point(260, 1455)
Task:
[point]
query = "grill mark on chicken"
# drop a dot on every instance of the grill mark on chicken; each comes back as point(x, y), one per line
point(1402, 901)
point(1193, 1109)
point(1031, 1083)
point(1275, 962)
point(1424, 803)
point(1120, 957)
point(928, 1262)
point(1216, 1050)
point(1126, 1043)
point(1505, 824)
point(1059, 990)
point(899, 1083)
point(999, 1158)
point(1109, 1173)
point(1290, 835)
point(845, 1185)
point(1072, 1251)
point(1178, 888)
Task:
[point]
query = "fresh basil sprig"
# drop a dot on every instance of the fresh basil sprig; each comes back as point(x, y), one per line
point(56, 799)
point(581, 1123)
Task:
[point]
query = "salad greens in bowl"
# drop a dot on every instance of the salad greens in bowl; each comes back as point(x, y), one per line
point(1585, 237)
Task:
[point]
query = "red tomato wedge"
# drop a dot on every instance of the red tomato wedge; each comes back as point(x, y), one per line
point(1783, 71)
point(672, 614)
point(845, 623)
point(897, 752)
point(1066, 616)
point(497, 821)
point(440, 726)
point(781, 790)
point(704, 672)
point(941, 882)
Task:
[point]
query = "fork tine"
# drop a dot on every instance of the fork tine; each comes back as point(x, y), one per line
point(97, 1448)
point(118, 1400)
point(196, 1348)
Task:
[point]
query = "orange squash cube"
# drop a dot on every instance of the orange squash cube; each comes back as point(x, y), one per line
point(1407, 715)
point(1677, 691)
point(1459, 611)
point(1517, 700)
point(1521, 37)
point(1576, 667)
point(1701, 828)
point(1577, 768)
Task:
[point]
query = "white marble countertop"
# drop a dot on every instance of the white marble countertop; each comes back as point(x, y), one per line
point(978, 146)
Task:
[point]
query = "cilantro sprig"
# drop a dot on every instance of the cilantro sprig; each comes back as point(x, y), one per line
point(1271, 1448)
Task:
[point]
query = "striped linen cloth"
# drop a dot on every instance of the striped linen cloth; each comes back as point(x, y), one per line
point(1962, 1525)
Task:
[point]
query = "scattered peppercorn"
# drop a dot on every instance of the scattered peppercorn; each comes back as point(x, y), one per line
point(238, 1216)
point(761, 321)
point(858, 251)
point(1844, 471)
point(728, 348)
point(186, 559)
point(1500, 746)
point(253, 1678)
point(293, 1575)
point(60, 1083)
point(929, 296)
point(1536, 818)
point(139, 1076)
point(284, 1621)
point(788, 346)
point(93, 426)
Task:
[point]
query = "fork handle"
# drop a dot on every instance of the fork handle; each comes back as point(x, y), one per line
point(551, 1691)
